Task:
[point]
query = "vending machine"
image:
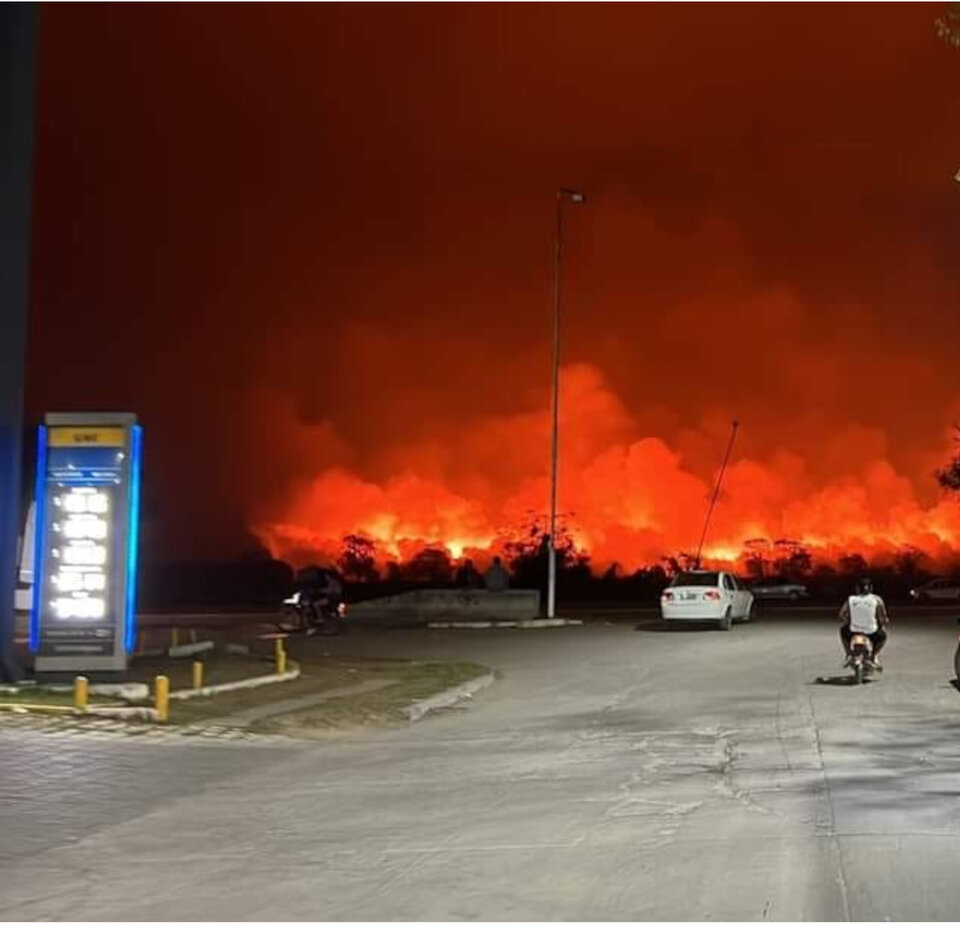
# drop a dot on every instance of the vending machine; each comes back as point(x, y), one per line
point(83, 614)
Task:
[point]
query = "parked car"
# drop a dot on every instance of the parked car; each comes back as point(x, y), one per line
point(779, 589)
point(940, 589)
point(707, 596)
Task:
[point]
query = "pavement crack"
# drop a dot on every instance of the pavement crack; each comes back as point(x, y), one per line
point(779, 722)
point(832, 828)
point(726, 783)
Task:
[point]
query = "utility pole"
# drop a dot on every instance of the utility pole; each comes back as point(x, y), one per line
point(716, 489)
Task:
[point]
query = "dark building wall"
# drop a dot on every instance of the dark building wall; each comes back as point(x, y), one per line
point(18, 26)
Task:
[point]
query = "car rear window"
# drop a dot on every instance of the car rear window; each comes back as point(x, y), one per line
point(696, 580)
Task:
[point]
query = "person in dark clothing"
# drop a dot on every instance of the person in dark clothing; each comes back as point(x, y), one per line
point(467, 576)
point(320, 598)
point(496, 579)
point(322, 586)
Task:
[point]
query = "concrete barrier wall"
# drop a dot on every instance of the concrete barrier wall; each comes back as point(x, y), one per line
point(424, 606)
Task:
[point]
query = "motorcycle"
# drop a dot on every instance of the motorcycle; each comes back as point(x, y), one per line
point(312, 615)
point(861, 657)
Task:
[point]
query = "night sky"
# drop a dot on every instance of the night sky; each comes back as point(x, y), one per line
point(312, 247)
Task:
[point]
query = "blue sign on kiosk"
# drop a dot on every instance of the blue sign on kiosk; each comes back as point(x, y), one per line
point(83, 616)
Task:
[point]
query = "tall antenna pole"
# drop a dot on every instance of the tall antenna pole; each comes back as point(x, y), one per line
point(716, 489)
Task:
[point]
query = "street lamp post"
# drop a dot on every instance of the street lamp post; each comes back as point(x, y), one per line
point(563, 195)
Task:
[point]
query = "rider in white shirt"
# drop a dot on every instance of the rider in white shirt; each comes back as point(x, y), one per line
point(864, 612)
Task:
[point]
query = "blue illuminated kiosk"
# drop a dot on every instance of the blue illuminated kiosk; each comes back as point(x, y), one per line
point(83, 617)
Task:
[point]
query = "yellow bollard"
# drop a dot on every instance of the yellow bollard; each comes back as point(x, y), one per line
point(280, 656)
point(174, 637)
point(162, 699)
point(80, 692)
point(197, 674)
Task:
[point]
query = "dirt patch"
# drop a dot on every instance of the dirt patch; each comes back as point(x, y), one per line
point(218, 668)
point(404, 681)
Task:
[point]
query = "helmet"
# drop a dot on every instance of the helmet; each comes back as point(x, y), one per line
point(865, 586)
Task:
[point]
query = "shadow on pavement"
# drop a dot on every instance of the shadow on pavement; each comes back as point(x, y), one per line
point(652, 626)
point(661, 626)
point(896, 766)
point(842, 680)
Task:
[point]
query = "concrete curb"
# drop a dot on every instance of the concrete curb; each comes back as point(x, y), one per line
point(147, 714)
point(259, 681)
point(131, 691)
point(503, 624)
point(190, 648)
point(448, 698)
point(546, 624)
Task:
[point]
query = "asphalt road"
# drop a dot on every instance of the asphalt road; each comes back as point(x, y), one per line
point(612, 773)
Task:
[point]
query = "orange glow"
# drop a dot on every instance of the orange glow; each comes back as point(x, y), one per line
point(348, 320)
point(627, 498)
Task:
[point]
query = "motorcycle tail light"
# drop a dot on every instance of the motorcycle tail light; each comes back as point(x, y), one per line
point(712, 595)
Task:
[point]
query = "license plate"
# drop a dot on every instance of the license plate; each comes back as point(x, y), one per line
point(690, 596)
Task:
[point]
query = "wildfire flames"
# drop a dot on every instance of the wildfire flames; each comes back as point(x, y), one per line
point(363, 335)
point(626, 500)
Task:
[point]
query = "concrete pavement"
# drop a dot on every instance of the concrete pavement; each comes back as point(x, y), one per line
point(612, 773)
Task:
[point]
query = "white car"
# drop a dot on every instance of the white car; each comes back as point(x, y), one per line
point(707, 596)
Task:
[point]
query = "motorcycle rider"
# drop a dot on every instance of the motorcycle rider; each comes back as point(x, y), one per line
point(868, 614)
point(321, 589)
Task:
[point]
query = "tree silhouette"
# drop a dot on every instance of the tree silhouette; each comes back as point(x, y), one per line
point(908, 561)
point(792, 559)
point(853, 564)
point(947, 26)
point(757, 553)
point(430, 566)
point(527, 552)
point(949, 475)
point(681, 562)
point(357, 561)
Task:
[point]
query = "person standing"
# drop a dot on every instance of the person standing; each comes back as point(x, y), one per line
point(468, 577)
point(496, 580)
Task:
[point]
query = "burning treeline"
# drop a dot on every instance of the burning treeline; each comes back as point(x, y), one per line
point(629, 501)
